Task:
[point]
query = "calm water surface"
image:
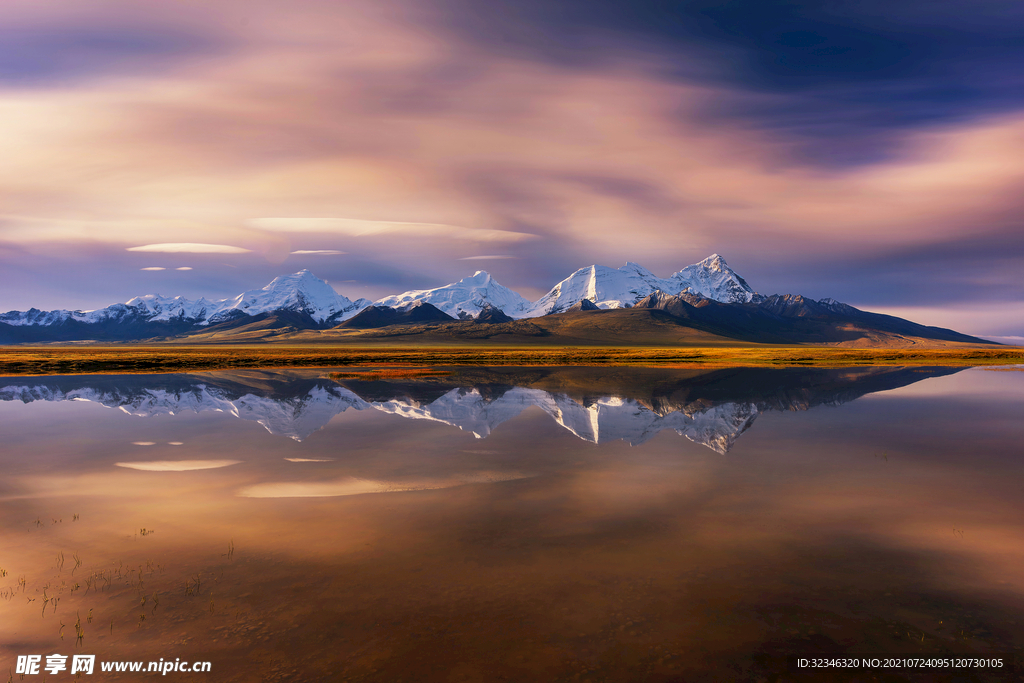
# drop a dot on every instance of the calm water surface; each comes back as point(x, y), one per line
point(525, 524)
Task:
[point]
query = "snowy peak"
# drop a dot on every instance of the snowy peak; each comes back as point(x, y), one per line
point(300, 292)
point(466, 298)
point(156, 307)
point(712, 278)
point(716, 263)
point(623, 287)
point(603, 286)
point(639, 270)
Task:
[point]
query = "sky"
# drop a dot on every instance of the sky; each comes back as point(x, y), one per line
point(864, 150)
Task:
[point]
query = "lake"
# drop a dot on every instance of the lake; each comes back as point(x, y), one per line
point(514, 524)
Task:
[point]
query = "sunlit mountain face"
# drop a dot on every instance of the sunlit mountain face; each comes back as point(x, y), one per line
point(709, 407)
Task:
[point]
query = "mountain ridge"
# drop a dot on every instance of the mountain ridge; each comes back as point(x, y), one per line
point(708, 296)
point(300, 292)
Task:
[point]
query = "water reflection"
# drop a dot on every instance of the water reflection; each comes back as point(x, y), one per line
point(712, 408)
point(389, 549)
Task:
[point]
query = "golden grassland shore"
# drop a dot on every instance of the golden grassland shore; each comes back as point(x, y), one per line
point(65, 360)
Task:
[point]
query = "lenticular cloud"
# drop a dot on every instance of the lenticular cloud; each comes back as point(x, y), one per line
point(177, 465)
point(190, 248)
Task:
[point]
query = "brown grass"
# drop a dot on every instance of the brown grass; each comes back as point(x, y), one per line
point(141, 359)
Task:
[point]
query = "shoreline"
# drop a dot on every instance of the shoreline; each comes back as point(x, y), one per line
point(21, 361)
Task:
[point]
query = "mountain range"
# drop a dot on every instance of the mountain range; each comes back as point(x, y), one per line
point(707, 301)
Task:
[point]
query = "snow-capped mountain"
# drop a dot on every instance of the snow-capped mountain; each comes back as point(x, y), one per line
point(300, 292)
point(708, 296)
point(465, 298)
point(712, 278)
point(622, 287)
point(606, 287)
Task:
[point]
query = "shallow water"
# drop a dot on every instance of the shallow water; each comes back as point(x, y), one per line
point(513, 524)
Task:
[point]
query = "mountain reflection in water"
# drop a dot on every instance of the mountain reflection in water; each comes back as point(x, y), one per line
point(387, 549)
point(710, 407)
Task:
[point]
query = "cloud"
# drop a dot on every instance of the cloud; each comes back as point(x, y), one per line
point(324, 252)
point(486, 258)
point(843, 77)
point(184, 268)
point(190, 248)
point(365, 228)
point(153, 268)
point(177, 465)
point(47, 55)
point(447, 138)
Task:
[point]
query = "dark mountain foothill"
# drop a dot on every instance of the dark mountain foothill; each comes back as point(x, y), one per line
point(383, 316)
